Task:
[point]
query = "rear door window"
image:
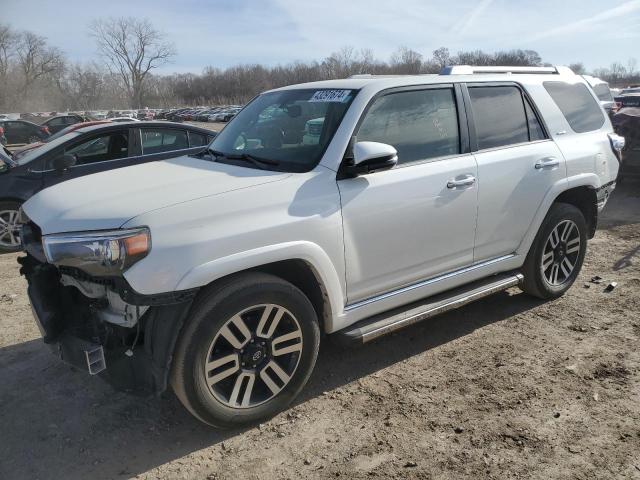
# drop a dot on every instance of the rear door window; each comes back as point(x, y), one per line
point(577, 105)
point(419, 124)
point(158, 140)
point(499, 116)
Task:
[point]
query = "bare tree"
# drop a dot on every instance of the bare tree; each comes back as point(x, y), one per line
point(36, 59)
point(132, 48)
point(406, 61)
point(578, 68)
point(441, 57)
point(8, 40)
point(632, 66)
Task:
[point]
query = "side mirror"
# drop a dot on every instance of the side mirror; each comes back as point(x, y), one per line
point(64, 162)
point(369, 157)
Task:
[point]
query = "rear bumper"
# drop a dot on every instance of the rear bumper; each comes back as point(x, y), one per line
point(603, 193)
point(136, 360)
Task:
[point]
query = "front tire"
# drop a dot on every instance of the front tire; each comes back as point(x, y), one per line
point(556, 256)
point(9, 231)
point(248, 348)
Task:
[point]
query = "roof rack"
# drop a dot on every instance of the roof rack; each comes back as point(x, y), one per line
point(469, 70)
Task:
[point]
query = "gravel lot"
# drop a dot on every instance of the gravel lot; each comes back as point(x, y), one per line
point(508, 387)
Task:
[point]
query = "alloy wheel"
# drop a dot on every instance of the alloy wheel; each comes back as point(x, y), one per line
point(561, 252)
point(9, 229)
point(253, 356)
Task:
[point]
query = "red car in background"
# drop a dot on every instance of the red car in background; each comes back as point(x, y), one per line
point(19, 152)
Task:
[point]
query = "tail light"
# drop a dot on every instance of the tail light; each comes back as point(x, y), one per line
point(45, 130)
point(1, 131)
point(617, 145)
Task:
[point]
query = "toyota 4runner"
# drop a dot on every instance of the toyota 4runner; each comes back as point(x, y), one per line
point(217, 273)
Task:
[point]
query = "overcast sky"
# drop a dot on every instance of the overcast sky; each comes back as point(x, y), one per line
point(227, 32)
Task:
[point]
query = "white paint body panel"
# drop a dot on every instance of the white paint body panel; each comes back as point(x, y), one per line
point(405, 234)
point(398, 226)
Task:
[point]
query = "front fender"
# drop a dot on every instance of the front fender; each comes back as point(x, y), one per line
point(306, 251)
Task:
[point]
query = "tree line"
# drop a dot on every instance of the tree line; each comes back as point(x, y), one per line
point(36, 76)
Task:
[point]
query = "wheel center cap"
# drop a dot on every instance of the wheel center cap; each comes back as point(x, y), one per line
point(254, 355)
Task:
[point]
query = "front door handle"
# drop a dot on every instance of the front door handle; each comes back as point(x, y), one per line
point(463, 181)
point(547, 163)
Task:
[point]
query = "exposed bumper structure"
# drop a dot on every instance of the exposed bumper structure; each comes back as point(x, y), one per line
point(134, 358)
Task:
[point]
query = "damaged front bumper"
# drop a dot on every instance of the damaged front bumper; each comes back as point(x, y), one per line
point(102, 326)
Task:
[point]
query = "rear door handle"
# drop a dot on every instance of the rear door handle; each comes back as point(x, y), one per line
point(464, 181)
point(547, 163)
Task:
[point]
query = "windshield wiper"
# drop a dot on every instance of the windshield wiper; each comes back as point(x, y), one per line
point(257, 161)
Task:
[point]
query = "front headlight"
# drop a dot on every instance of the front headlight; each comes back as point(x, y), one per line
point(102, 253)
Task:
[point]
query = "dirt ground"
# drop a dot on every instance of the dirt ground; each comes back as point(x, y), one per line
point(508, 387)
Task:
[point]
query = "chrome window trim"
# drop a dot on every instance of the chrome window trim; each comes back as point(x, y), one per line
point(424, 283)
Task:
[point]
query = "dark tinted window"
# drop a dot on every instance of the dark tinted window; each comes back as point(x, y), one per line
point(110, 146)
point(499, 116)
point(603, 92)
point(420, 124)
point(55, 122)
point(197, 139)
point(577, 105)
point(159, 140)
point(536, 132)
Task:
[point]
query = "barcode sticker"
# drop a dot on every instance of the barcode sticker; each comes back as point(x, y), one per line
point(330, 96)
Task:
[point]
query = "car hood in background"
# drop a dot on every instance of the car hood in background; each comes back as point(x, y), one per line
point(109, 199)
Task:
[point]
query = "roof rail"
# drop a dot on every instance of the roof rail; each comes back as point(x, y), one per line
point(469, 70)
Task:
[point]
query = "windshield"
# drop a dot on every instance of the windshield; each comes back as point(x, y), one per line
point(290, 128)
point(47, 147)
point(603, 93)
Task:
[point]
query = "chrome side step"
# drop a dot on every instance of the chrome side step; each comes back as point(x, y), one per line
point(371, 328)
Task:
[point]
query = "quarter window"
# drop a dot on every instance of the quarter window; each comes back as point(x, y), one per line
point(536, 132)
point(499, 116)
point(419, 124)
point(577, 105)
point(159, 140)
point(197, 139)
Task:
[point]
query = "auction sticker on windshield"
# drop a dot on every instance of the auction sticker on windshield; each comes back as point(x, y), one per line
point(330, 96)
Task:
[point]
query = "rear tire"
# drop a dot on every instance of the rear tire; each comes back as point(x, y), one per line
point(248, 348)
point(557, 253)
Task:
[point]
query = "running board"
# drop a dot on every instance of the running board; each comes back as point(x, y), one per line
point(373, 327)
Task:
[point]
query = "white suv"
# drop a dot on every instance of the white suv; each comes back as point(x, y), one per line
point(218, 273)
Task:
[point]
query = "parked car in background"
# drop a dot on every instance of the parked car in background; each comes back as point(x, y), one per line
point(61, 122)
point(86, 151)
point(626, 123)
point(175, 115)
point(226, 115)
point(122, 113)
point(124, 119)
point(21, 151)
point(145, 114)
point(602, 91)
point(21, 132)
point(630, 99)
point(203, 116)
point(4, 117)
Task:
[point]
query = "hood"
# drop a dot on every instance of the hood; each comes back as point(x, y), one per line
point(109, 199)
